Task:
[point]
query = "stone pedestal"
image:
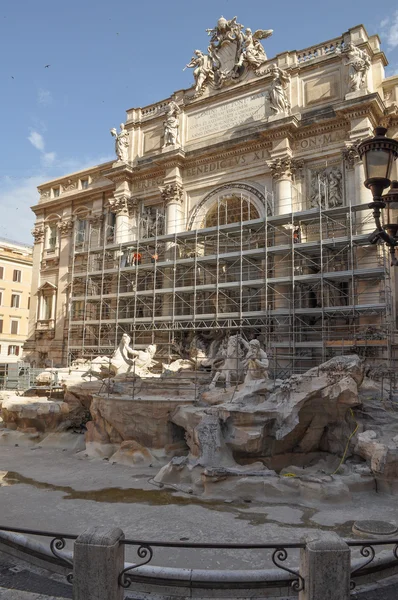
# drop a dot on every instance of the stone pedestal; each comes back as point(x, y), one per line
point(325, 566)
point(98, 561)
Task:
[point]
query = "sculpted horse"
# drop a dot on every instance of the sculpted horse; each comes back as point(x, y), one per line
point(230, 362)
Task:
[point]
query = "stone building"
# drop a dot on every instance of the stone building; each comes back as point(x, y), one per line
point(235, 205)
point(15, 284)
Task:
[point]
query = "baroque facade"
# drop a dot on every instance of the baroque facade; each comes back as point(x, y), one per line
point(237, 205)
point(15, 285)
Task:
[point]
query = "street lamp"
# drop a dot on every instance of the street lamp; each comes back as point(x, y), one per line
point(378, 154)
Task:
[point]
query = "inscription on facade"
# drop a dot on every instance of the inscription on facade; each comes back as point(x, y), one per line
point(243, 111)
point(227, 163)
point(317, 141)
point(145, 184)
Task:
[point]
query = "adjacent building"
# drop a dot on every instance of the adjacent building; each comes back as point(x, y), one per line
point(15, 284)
point(235, 205)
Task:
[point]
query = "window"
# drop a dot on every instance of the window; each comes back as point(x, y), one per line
point(56, 192)
point(13, 350)
point(52, 236)
point(1, 272)
point(17, 275)
point(1, 298)
point(80, 231)
point(84, 183)
point(47, 307)
point(15, 300)
point(1, 325)
point(14, 327)
point(29, 303)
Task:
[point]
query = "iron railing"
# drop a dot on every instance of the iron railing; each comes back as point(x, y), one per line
point(374, 563)
point(279, 555)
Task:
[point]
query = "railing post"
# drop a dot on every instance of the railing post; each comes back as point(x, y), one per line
point(325, 565)
point(97, 561)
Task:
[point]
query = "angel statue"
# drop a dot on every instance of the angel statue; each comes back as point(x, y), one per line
point(254, 53)
point(121, 143)
point(203, 70)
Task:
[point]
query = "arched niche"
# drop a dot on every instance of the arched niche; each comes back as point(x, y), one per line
point(229, 203)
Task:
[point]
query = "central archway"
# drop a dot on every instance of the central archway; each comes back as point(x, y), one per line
point(229, 203)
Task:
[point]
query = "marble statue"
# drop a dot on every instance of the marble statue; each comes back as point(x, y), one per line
point(229, 361)
point(171, 125)
point(279, 101)
point(358, 63)
point(231, 51)
point(121, 143)
point(203, 70)
point(226, 50)
point(256, 362)
point(121, 362)
point(254, 53)
point(144, 358)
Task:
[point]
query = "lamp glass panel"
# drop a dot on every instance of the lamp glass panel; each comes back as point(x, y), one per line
point(378, 164)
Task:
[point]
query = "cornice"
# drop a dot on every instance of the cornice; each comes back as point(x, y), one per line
point(370, 105)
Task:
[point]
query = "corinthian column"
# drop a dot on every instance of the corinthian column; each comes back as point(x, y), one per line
point(120, 206)
point(172, 195)
point(282, 171)
point(38, 234)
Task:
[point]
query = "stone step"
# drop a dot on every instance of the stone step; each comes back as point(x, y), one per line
point(7, 594)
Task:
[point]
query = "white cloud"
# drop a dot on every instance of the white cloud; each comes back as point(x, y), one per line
point(16, 198)
point(48, 158)
point(44, 97)
point(37, 140)
point(18, 195)
point(389, 29)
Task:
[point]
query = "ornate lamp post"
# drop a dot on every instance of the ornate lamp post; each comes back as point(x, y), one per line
point(378, 155)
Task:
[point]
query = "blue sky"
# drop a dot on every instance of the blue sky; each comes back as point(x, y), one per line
point(108, 56)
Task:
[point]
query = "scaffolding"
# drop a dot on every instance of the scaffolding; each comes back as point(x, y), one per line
point(308, 284)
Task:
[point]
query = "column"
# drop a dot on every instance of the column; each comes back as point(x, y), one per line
point(59, 307)
point(120, 206)
point(38, 234)
point(282, 170)
point(353, 161)
point(172, 195)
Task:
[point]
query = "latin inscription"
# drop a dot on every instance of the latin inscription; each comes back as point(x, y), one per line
point(227, 163)
point(145, 184)
point(243, 111)
point(320, 140)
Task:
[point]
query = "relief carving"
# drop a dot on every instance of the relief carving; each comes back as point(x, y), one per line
point(69, 185)
point(327, 188)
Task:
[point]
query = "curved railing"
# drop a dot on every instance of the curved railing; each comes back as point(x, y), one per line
point(365, 561)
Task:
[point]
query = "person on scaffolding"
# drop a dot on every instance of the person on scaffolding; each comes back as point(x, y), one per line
point(137, 256)
point(297, 235)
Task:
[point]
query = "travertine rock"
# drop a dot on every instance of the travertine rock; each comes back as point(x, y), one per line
point(131, 453)
point(35, 414)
